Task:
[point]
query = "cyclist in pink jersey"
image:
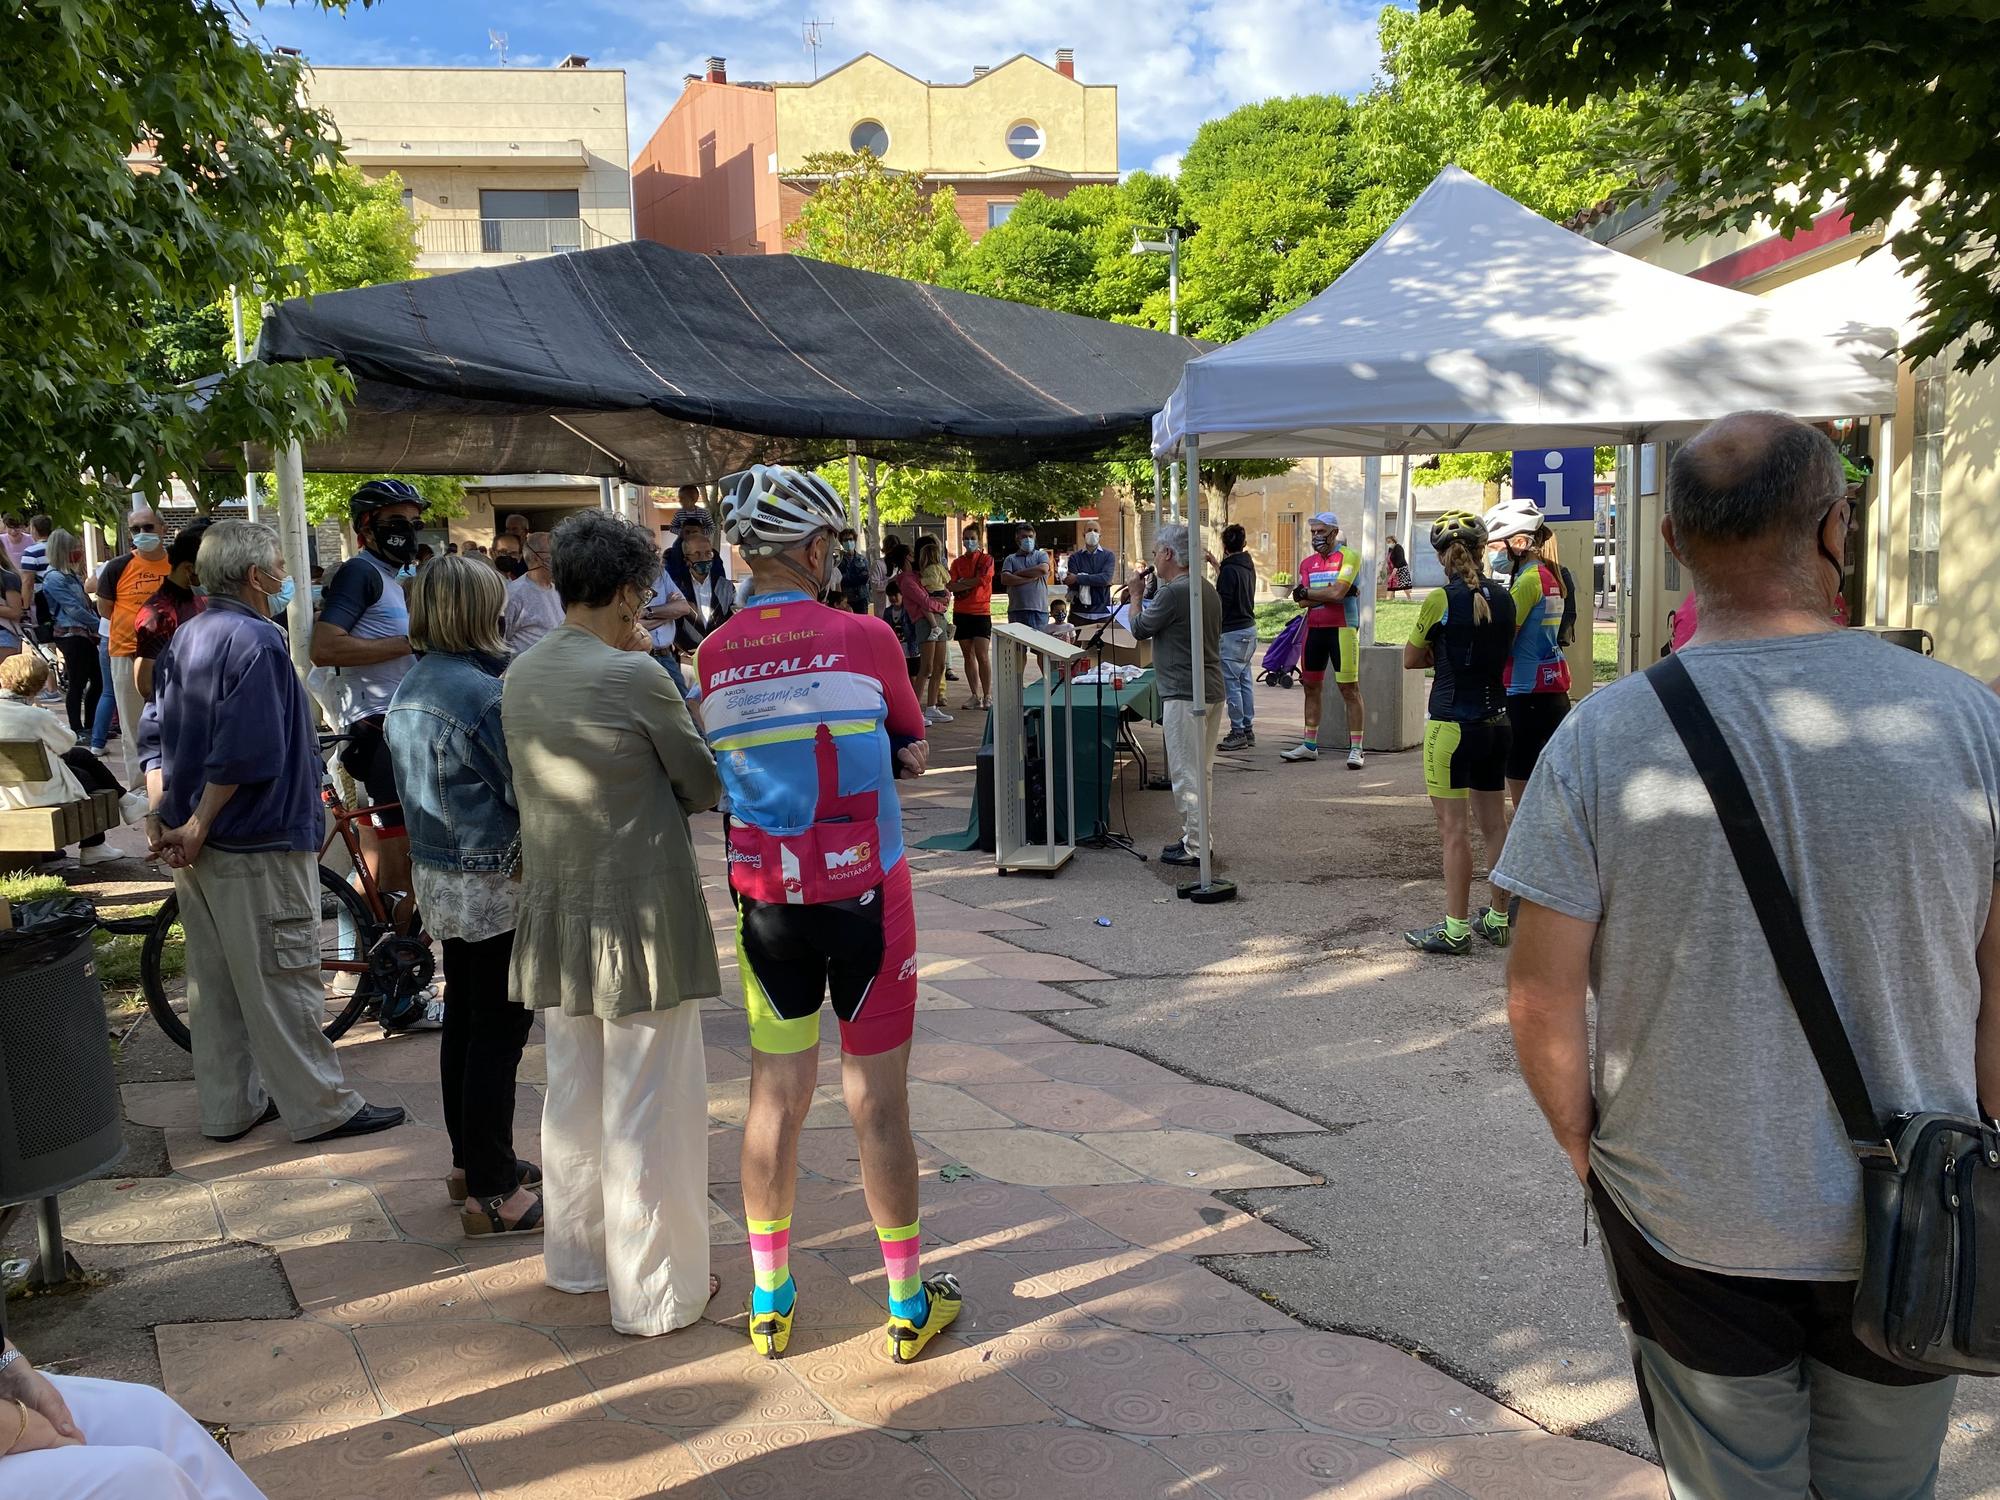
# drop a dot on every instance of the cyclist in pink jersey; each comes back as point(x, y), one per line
point(811, 718)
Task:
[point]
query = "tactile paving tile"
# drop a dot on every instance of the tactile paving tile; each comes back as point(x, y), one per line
point(1300, 1466)
point(139, 1211)
point(385, 1460)
point(1356, 1386)
point(265, 1372)
point(822, 1462)
point(701, 1376)
point(472, 1374)
point(1131, 1382)
point(1536, 1466)
point(1054, 1464)
point(586, 1460)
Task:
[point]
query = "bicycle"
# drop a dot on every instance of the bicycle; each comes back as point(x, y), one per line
point(366, 961)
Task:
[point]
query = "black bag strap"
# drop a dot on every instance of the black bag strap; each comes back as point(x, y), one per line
point(1777, 908)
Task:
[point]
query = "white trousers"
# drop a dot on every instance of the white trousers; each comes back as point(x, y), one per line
point(125, 693)
point(1190, 761)
point(625, 1165)
point(137, 1445)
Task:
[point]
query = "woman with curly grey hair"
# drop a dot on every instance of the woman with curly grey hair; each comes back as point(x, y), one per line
point(614, 945)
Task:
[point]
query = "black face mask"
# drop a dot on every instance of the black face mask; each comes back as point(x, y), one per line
point(396, 539)
point(509, 565)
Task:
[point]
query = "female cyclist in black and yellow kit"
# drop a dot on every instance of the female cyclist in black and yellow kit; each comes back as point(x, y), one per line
point(1465, 631)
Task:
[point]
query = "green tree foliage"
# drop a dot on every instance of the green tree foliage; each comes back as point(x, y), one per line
point(222, 149)
point(1769, 110)
point(864, 215)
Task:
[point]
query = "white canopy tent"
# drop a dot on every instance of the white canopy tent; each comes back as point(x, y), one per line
point(1475, 324)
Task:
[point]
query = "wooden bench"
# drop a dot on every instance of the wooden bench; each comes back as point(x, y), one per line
point(42, 830)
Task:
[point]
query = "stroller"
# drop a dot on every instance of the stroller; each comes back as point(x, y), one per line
point(1281, 657)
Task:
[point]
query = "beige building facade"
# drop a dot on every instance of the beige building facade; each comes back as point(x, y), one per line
point(1921, 555)
point(497, 164)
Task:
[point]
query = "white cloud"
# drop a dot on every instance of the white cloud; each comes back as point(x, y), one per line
point(1167, 164)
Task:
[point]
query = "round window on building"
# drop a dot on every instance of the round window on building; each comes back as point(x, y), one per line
point(870, 136)
point(1025, 140)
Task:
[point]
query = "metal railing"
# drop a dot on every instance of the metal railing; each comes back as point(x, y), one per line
point(506, 236)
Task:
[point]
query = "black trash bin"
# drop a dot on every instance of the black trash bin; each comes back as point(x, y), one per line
point(60, 1120)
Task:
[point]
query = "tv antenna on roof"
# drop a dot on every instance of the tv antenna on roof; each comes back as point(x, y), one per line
point(815, 35)
point(496, 41)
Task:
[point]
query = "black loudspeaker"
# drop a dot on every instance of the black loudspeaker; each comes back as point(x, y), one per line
point(982, 793)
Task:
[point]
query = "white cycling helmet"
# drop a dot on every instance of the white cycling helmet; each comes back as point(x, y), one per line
point(770, 508)
point(1512, 518)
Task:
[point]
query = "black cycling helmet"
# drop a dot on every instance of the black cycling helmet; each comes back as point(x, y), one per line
point(1458, 526)
point(377, 493)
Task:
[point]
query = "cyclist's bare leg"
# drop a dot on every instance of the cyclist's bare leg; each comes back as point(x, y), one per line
point(878, 1102)
point(1490, 808)
point(388, 861)
point(1357, 714)
point(781, 1089)
point(1453, 833)
point(1312, 691)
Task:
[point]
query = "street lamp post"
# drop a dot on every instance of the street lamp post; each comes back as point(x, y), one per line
point(1171, 248)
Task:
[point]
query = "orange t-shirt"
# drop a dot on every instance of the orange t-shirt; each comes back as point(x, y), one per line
point(130, 581)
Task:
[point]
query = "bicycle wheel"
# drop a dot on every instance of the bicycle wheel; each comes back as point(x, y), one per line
point(346, 932)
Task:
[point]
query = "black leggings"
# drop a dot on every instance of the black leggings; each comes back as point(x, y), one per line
point(79, 654)
point(93, 776)
point(478, 1055)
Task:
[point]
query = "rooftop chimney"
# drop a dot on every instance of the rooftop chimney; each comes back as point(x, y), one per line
point(574, 60)
point(718, 71)
point(688, 80)
point(1066, 61)
point(980, 70)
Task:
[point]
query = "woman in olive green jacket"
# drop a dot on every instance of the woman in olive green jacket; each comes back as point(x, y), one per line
point(614, 945)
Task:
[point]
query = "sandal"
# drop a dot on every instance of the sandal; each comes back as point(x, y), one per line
point(529, 1175)
point(481, 1217)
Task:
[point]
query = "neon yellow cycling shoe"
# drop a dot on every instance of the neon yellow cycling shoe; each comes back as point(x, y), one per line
point(771, 1331)
point(906, 1340)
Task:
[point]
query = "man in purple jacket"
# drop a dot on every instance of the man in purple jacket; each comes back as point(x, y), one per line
point(233, 781)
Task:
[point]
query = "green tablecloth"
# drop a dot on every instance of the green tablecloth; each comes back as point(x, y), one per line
point(1094, 758)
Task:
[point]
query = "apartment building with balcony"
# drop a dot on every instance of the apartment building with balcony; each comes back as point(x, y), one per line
point(497, 164)
point(725, 172)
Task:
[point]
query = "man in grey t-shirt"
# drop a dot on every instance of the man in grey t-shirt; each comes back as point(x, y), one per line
point(1163, 619)
point(1727, 1192)
point(1024, 574)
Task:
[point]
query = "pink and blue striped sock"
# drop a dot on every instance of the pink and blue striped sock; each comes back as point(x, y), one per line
point(900, 1258)
point(770, 1259)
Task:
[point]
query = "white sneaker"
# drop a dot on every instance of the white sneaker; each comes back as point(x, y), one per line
point(1353, 757)
point(936, 716)
point(1301, 751)
point(133, 807)
point(98, 854)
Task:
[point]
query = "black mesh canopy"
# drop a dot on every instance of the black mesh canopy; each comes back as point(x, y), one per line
point(660, 367)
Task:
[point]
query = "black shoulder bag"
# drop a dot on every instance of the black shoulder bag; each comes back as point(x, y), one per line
point(1929, 1295)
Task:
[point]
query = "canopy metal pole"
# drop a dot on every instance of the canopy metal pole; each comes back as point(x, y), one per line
point(1406, 510)
point(1371, 542)
point(1174, 512)
point(875, 517)
point(298, 558)
point(1159, 502)
point(1884, 486)
point(1205, 887)
point(605, 502)
point(853, 487)
point(236, 340)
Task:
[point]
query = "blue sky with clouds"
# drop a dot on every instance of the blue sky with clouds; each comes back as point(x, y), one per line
point(1176, 62)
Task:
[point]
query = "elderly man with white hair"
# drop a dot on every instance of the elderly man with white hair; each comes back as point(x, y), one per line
point(1163, 620)
point(233, 781)
point(533, 608)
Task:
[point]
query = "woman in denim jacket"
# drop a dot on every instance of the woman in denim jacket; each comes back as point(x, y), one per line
point(443, 731)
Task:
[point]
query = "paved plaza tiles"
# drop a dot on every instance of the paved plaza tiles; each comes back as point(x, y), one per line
point(1072, 1187)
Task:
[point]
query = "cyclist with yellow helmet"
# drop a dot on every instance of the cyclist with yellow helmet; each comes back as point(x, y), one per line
point(1465, 632)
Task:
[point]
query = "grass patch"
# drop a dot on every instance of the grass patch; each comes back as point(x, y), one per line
point(30, 885)
point(117, 952)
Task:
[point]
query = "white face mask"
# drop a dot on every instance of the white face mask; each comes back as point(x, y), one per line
point(147, 542)
point(1090, 539)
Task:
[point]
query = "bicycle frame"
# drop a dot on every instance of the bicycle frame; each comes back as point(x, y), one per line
point(344, 821)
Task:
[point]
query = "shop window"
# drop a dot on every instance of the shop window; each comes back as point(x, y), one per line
point(529, 221)
point(997, 214)
point(870, 136)
point(1025, 140)
point(1927, 482)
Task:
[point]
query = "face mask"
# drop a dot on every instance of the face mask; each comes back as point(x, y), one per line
point(848, 544)
point(1090, 539)
point(147, 542)
point(1025, 545)
point(509, 565)
point(1323, 545)
point(276, 604)
point(396, 539)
